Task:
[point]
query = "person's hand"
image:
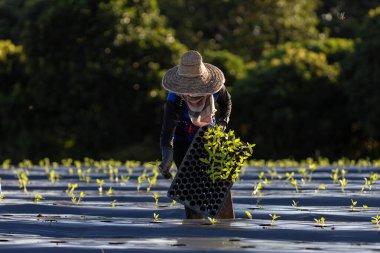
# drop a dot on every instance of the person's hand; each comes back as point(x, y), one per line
point(167, 160)
point(222, 124)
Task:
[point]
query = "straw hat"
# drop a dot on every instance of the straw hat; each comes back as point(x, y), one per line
point(193, 77)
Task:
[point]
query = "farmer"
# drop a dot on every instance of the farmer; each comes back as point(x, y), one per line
point(194, 88)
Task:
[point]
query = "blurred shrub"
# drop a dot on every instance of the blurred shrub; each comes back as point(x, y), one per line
point(13, 100)
point(292, 106)
point(343, 18)
point(94, 69)
point(232, 65)
point(336, 49)
point(361, 77)
point(244, 28)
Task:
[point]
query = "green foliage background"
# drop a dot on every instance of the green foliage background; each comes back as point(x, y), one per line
point(82, 77)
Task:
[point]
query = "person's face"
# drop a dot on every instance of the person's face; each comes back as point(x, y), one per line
point(195, 101)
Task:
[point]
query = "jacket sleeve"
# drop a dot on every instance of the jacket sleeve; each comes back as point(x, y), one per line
point(169, 123)
point(225, 105)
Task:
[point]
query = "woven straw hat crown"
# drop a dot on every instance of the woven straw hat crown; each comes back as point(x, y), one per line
point(192, 76)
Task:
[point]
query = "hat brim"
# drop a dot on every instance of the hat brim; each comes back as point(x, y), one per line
point(202, 85)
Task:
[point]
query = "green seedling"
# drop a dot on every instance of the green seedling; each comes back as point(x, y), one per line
point(156, 196)
point(376, 220)
point(53, 177)
point(109, 192)
point(320, 187)
point(6, 164)
point(113, 203)
point(257, 189)
point(100, 182)
point(212, 220)
point(124, 179)
point(22, 179)
point(365, 206)
point(37, 198)
point(367, 184)
point(71, 188)
point(152, 180)
point(320, 221)
point(303, 172)
point(130, 171)
point(343, 172)
point(141, 179)
point(2, 196)
point(353, 205)
point(173, 203)
point(294, 203)
point(293, 182)
point(249, 215)
point(289, 176)
point(73, 198)
point(274, 218)
point(81, 196)
point(343, 183)
point(226, 154)
point(335, 175)
point(155, 216)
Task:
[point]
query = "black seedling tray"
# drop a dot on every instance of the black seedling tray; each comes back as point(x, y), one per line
point(192, 186)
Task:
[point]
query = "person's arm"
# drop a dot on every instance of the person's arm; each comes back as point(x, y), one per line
point(225, 107)
point(169, 124)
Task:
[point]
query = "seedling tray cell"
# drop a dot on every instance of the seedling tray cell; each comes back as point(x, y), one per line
point(192, 186)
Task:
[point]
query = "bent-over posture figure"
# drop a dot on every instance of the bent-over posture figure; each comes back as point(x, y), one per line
point(194, 90)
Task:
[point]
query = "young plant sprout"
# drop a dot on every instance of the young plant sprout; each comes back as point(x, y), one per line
point(294, 203)
point(156, 196)
point(173, 203)
point(335, 175)
point(248, 214)
point(212, 220)
point(73, 198)
point(289, 176)
point(52, 176)
point(71, 188)
point(6, 164)
point(293, 182)
point(320, 221)
point(257, 189)
point(353, 205)
point(367, 184)
point(274, 218)
point(124, 179)
point(365, 206)
point(320, 187)
point(113, 203)
point(130, 171)
point(141, 179)
point(37, 198)
point(100, 182)
point(376, 220)
point(155, 216)
point(22, 179)
point(226, 154)
point(81, 196)
point(109, 192)
point(343, 183)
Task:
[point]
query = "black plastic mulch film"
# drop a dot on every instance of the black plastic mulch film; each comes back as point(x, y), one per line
point(192, 186)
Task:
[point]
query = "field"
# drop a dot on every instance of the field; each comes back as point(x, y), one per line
point(111, 206)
